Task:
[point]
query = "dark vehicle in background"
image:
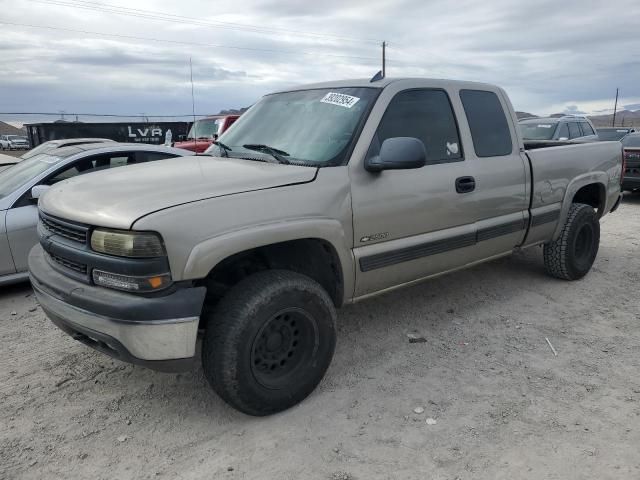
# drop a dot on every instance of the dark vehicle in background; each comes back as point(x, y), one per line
point(200, 136)
point(154, 133)
point(631, 150)
point(52, 145)
point(552, 131)
point(614, 133)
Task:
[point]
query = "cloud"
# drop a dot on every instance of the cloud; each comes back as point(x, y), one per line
point(549, 56)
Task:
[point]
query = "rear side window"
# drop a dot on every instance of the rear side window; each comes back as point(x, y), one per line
point(426, 115)
point(487, 122)
point(563, 131)
point(574, 130)
point(586, 129)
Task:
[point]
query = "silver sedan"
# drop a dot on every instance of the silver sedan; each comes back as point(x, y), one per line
point(22, 185)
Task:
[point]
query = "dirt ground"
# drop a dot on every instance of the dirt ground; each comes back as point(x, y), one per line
point(505, 407)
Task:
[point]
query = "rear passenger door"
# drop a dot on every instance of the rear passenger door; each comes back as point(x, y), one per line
point(499, 170)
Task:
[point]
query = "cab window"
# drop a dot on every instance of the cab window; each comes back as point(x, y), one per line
point(426, 115)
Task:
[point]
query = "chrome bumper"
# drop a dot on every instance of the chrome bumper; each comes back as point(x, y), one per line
point(147, 340)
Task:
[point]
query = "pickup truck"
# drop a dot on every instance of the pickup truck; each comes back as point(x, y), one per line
point(319, 196)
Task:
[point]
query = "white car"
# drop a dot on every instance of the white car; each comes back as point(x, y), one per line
point(16, 142)
point(4, 143)
point(51, 145)
point(22, 184)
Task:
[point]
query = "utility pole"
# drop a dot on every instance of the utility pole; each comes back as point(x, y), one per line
point(384, 59)
point(615, 108)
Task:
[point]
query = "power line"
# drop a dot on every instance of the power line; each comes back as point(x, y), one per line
point(57, 114)
point(180, 42)
point(148, 14)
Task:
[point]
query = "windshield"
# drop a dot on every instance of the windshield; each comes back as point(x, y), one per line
point(311, 126)
point(612, 133)
point(538, 131)
point(13, 178)
point(203, 128)
point(631, 141)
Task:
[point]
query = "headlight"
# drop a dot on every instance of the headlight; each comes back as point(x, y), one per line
point(127, 244)
point(131, 284)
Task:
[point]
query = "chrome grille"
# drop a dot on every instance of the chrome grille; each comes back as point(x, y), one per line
point(76, 233)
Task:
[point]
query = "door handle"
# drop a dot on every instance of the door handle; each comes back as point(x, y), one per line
point(465, 184)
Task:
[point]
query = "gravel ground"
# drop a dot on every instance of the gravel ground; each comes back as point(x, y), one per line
point(504, 406)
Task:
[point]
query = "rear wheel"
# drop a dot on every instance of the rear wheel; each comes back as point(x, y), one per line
point(572, 254)
point(269, 341)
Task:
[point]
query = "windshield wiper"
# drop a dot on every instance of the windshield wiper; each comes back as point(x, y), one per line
point(274, 152)
point(223, 148)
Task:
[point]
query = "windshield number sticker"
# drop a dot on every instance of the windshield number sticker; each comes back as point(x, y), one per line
point(340, 99)
point(544, 126)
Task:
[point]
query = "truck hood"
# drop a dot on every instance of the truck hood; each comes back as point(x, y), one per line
point(117, 198)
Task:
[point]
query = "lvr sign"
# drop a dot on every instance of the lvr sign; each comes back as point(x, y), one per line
point(155, 132)
point(145, 135)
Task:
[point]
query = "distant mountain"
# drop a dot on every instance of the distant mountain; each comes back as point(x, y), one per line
point(6, 129)
point(522, 115)
point(626, 118)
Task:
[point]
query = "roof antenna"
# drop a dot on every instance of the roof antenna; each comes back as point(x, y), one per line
point(377, 77)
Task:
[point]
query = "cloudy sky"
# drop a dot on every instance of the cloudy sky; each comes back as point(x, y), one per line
point(550, 56)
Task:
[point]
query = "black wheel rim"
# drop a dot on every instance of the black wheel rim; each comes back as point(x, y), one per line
point(284, 348)
point(583, 243)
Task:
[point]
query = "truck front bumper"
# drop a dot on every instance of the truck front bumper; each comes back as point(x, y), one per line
point(156, 332)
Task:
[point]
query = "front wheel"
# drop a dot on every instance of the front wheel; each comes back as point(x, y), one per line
point(269, 341)
point(572, 254)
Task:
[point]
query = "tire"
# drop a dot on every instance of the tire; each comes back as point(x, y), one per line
point(571, 256)
point(269, 341)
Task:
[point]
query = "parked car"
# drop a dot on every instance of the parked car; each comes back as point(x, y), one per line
point(550, 131)
point(322, 195)
point(22, 184)
point(4, 143)
point(613, 133)
point(16, 142)
point(631, 151)
point(201, 134)
point(51, 145)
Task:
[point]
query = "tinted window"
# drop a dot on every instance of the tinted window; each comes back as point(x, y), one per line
point(426, 115)
point(537, 130)
point(487, 122)
point(574, 131)
point(93, 164)
point(586, 129)
point(563, 131)
point(631, 141)
point(142, 157)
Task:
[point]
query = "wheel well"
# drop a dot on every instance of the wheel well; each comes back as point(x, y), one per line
point(312, 257)
point(592, 194)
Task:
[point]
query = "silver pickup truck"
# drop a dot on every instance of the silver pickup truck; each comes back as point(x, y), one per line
point(318, 196)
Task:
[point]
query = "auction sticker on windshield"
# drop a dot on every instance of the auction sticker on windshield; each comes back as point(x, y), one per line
point(340, 99)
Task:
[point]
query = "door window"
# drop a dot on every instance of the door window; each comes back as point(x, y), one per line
point(574, 130)
point(426, 115)
point(563, 131)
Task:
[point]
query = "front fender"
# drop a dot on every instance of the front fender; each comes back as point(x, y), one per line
point(207, 254)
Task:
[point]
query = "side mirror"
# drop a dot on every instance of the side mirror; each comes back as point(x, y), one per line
point(398, 153)
point(563, 139)
point(38, 191)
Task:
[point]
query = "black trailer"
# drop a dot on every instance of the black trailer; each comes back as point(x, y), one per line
point(140, 132)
